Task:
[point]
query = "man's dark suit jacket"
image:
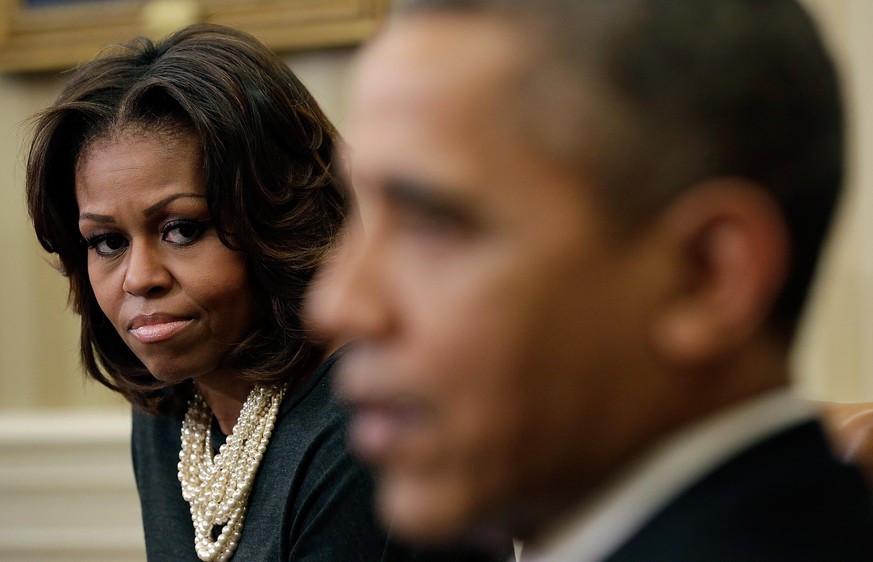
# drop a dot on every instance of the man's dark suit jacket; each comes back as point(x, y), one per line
point(786, 499)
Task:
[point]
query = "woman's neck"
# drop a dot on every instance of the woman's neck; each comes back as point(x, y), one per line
point(225, 396)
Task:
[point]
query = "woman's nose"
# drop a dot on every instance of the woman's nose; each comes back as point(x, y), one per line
point(146, 273)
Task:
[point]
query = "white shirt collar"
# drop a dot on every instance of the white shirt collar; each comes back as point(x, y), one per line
point(609, 518)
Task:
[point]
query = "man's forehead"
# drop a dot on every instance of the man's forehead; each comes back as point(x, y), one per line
point(436, 99)
point(437, 58)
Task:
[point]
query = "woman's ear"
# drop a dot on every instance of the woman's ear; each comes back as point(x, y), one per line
point(731, 249)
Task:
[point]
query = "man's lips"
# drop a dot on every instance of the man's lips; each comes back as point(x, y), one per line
point(153, 328)
point(376, 428)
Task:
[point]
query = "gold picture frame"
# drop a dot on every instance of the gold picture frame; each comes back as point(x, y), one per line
point(42, 35)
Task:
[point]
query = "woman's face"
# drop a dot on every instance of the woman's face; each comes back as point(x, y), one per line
point(177, 296)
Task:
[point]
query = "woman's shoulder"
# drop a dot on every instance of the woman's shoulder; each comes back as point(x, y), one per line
point(313, 408)
point(151, 427)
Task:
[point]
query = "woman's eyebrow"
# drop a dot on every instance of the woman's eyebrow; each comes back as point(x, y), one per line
point(167, 200)
point(102, 219)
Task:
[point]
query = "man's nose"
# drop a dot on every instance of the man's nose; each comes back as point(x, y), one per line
point(347, 299)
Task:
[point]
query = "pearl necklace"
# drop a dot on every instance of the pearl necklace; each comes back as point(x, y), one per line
point(217, 487)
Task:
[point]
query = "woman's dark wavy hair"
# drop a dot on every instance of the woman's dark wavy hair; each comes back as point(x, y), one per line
point(271, 188)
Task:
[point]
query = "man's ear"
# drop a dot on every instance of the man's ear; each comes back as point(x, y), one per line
point(731, 250)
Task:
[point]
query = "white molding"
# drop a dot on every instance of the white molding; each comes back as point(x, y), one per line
point(66, 488)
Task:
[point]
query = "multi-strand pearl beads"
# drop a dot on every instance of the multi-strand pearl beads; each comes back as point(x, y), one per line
point(217, 487)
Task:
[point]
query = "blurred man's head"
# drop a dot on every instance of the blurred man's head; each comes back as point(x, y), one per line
point(582, 224)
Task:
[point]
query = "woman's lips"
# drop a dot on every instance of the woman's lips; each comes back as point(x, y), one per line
point(157, 327)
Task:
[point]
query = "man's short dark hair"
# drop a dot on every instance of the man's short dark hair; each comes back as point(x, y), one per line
point(654, 96)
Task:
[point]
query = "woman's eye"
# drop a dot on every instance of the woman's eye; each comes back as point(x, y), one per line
point(107, 244)
point(183, 232)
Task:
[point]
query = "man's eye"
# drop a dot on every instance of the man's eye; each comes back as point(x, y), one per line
point(433, 226)
point(183, 232)
point(107, 244)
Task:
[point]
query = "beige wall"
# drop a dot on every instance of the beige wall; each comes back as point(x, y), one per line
point(834, 355)
point(38, 337)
